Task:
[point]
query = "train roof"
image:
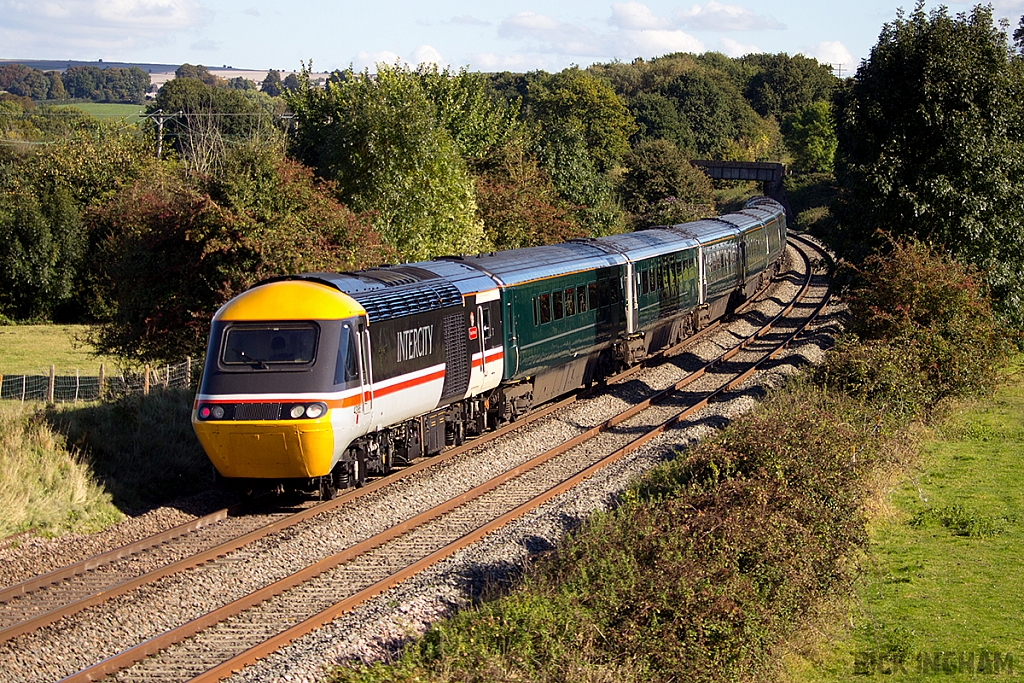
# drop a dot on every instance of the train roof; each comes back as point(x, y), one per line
point(645, 244)
point(707, 230)
point(536, 263)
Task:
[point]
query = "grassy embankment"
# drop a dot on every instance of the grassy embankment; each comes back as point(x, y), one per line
point(941, 590)
point(79, 468)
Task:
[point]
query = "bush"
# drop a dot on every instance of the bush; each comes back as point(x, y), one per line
point(703, 568)
point(936, 316)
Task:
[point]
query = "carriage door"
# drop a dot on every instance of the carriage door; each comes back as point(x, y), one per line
point(365, 377)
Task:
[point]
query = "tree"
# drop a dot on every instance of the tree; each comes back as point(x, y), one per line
point(575, 95)
point(784, 85)
point(931, 145)
point(379, 139)
point(174, 252)
point(272, 83)
point(290, 82)
point(657, 118)
point(656, 171)
point(83, 82)
point(42, 242)
point(56, 89)
point(198, 72)
point(811, 136)
point(24, 81)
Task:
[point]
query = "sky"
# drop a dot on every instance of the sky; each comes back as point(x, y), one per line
point(501, 35)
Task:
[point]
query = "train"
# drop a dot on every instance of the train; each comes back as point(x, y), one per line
point(314, 381)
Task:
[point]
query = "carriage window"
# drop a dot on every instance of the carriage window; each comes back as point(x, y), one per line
point(581, 296)
point(570, 302)
point(545, 308)
point(592, 296)
point(645, 282)
point(556, 303)
point(262, 347)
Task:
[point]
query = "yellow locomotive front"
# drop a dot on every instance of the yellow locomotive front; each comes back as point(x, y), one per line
point(282, 382)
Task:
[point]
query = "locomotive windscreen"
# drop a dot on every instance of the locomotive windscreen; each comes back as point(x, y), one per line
point(264, 346)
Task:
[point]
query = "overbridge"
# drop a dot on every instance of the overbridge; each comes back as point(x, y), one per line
point(768, 174)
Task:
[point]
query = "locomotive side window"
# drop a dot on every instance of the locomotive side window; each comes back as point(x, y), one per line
point(485, 320)
point(265, 346)
point(347, 368)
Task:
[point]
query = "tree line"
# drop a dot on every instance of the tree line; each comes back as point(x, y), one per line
point(112, 84)
point(411, 163)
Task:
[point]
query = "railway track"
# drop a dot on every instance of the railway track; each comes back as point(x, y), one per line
point(249, 626)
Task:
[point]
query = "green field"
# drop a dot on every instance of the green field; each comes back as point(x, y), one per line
point(129, 112)
point(942, 587)
point(31, 349)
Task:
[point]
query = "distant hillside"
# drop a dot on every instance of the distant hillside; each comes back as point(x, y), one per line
point(62, 64)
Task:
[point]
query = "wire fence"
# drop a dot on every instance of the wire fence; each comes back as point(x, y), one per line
point(66, 388)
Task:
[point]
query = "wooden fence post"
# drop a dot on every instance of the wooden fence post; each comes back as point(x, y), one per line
point(1, 386)
point(51, 385)
point(103, 380)
point(145, 383)
point(188, 372)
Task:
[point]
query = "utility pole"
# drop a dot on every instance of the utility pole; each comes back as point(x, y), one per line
point(159, 117)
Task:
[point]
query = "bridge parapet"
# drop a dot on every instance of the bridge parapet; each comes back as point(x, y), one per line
point(770, 175)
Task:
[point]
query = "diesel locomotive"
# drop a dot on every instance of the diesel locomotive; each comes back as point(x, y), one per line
point(317, 379)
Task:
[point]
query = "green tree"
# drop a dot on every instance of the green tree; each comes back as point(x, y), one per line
point(658, 118)
point(196, 71)
point(24, 81)
point(272, 83)
point(930, 145)
point(577, 96)
point(784, 85)
point(657, 171)
point(42, 243)
point(811, 136)
point(55, 91)
point(380, 139)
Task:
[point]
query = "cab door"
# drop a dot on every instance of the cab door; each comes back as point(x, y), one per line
point(367, 418)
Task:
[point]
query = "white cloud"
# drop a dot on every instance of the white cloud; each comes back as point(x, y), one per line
point(85, 27)
point(426, 54)
point(490, 61)
point(252, 12)
point(420, 55)
point(832, 52)
point(636, 16)
point(733, 48)
point(469, 20)
point(370, 60)
point(636, 32)
point(205, 45)
point(715, 16)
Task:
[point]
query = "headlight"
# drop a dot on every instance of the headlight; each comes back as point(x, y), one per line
point(297, 411)
point(217, 412)
point(316, 410)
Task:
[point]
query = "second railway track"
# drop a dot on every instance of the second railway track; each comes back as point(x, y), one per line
point(347, 528)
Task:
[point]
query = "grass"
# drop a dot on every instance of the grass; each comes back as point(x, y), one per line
point(943, 574)
point(128, 112)
point(45, 484)
point(31, 349)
